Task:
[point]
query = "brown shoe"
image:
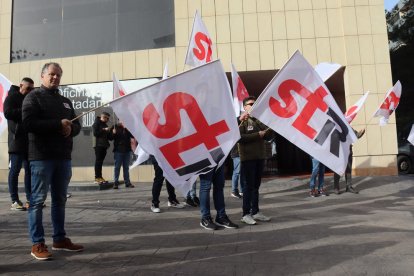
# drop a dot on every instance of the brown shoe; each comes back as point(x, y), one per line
point(39, 251)
point(67, 245)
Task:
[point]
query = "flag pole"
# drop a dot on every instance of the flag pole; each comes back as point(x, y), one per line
point(89, 111)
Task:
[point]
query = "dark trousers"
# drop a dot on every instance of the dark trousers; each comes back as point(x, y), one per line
point(251, 176)
point(100, 153)
point(157, 184)
point(348, 174)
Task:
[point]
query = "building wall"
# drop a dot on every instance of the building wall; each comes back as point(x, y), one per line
point(254, 35)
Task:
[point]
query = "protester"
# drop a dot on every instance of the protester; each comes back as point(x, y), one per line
point(47, 118)
point(101, 133)
point(192, 199)
point(348, 170)
point(234, 154)
point(122, 153)
point(156, 189)
point(318, 170)
point(252, 154)
point(215, 177)
point(17, 142)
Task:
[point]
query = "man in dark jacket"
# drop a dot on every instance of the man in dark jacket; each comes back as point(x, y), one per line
point(101, 132)
point(252, 155)
point(17, 141)
point(47, 117)
point(122, 153)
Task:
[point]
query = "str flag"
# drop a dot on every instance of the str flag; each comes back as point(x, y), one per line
point(239, 91)
point(353, 110)
point(390, 103)
point(4, 90)
point(199, 47)
point(186, 121)
point(411, 136)
point(119, 90)
point(298, 105)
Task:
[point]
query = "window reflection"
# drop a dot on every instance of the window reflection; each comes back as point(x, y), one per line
point(63, 28)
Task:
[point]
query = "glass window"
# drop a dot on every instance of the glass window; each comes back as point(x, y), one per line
point(85, 97)
point(44, 29)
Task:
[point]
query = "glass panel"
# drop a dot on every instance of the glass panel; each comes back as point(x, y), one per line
point(85, 97)
point(36, 29)
point(44, 29)
point(153, 28)
point(89, 27)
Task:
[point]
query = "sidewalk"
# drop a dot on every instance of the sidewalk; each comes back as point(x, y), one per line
point(371, 233)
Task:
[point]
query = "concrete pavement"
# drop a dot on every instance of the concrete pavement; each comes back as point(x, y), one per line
point(371, 233)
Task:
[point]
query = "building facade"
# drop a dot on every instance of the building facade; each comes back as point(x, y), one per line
point(257, 36)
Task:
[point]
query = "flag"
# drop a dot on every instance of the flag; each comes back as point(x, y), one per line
point(119, 90)
point(411, 136)
point(327, 69)
point(390, 103)
point(298, 105)
point(353, 110)
point(199, 47)
point(239, 91)
point(142, 156)
point(4, 90)
point(165, 73)
point(186, 121)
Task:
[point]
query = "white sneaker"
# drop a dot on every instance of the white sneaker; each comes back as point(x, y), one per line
point(176, 204)
point(155, 209)
point(17, 206)
point(260, 217)
point(248, 219)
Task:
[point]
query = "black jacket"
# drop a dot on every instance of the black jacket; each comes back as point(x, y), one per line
point(43, 110)
point(17, 136)
point(122, 139)
point(100, 136)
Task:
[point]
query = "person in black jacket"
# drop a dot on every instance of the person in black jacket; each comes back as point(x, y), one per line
point(49, 119)
point(101, 132)
point(17, 141)
point(122, 153)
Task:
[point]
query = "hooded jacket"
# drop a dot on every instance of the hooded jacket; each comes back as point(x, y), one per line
point(17, 136)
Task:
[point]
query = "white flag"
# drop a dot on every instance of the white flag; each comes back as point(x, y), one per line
point(165, 73)
point(119, 90)
point(186, 121)
point(411, 136)
point(4, 90)
point(327, 69)
point(239, 91)
point(353, 110)
point(199, 47)
point(142, 156)
point(390, 103)
point(298, 105)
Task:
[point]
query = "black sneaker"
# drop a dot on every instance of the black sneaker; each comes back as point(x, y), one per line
point(226, 222)
point(189, 201)
point(196, 200)
point(351, 189)
point(116, 185)
point(236, 194)
point(207, 223)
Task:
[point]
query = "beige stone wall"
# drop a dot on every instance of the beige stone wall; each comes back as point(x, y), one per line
point(255, 35)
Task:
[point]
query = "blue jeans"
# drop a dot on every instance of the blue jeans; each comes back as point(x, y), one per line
point(318, 169)
point(236, 175)
point(17, 161)
point(122, 158)
point(55, 174)
point(193, 192)
point(251, 178)
point(215, 177)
